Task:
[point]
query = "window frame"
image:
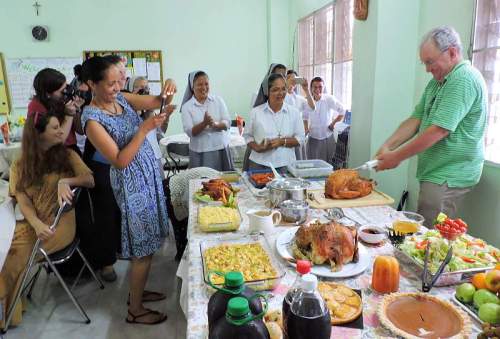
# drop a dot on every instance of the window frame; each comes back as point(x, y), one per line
point(470, 54)
point(332, 63)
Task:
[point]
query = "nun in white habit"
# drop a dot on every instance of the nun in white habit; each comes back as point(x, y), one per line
point(274, 128)
point(321, 122)
point(206, 121)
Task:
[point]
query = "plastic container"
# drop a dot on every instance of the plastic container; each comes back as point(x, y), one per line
point(234, 286)
point(256, 284)
point(309, 316)
point(310, 168)
point(232, 224)
point(303, 267)
point(239, 322)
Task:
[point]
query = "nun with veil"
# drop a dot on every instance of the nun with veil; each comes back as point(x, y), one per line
point(206, 121)
point(274, 128)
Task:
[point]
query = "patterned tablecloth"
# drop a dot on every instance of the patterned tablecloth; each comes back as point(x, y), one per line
point(195, 295)
point(8, 153)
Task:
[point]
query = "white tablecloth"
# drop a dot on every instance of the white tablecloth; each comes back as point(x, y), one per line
point(8, 153)
point(237, 144)
point(194, 293)
point(7, 221)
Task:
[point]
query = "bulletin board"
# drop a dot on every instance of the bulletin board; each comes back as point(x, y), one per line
point(4, 89)
point(22, 71)
point(139, 63)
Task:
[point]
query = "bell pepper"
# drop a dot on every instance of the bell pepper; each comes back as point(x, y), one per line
point(469, 260)
point(421, 245)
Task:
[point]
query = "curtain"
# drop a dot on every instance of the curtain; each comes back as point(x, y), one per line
point(486, 58)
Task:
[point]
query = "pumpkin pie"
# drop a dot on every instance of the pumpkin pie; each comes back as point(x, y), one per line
point(420, 315)
point(343, 303)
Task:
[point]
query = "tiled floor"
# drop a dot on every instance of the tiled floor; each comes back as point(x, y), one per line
point(52, 315)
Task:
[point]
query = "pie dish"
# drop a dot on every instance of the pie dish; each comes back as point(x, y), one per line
point(345, 305)
point(421, 315)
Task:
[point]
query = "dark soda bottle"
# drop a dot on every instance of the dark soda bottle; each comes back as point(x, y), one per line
point(303, 267)
point(234, 286)
point(309, 316)
point(239, 322)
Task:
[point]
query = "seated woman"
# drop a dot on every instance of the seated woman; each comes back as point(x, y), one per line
point(50, 88)
point(206, 120)
point(275, 128)
point(40, 180)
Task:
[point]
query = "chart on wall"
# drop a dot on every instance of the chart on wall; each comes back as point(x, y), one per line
point(4, 89)
point(22, 71)
point(139, 63)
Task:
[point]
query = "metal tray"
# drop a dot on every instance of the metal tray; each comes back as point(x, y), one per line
point(447, 278)
point(257, 285)
point(467, 308)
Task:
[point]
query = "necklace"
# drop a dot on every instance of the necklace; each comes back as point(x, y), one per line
point(104, 108)
point(276, 124)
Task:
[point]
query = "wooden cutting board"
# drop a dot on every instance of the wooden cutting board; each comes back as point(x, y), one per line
point(316, 199)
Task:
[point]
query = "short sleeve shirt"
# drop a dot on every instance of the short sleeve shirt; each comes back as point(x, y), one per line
point(459, 105)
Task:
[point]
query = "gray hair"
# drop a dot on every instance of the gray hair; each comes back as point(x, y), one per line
point(443, 37)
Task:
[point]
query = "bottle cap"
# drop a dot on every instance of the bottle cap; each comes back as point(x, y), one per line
point(303, 266)
point(309, 282)
point(237, 307)
point(233, 279)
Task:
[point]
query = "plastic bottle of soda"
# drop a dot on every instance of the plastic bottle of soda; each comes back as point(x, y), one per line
point(239, 322)
point(234, 286)
point(303, 267)
point(309, 316)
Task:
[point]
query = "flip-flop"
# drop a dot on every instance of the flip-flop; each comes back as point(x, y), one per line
point(148, 311)
point(148, 296)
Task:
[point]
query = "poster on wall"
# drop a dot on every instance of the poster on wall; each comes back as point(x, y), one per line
point(22, 71)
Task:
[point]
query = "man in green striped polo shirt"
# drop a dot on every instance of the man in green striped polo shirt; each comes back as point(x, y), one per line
point(449, 122)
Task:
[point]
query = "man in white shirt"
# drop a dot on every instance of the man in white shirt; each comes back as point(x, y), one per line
point(300, 103)
point(321, 122)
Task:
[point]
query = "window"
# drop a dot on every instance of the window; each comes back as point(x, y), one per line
point(325, 48)
point(486, 58)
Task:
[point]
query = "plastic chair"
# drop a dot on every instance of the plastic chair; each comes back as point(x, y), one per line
point(177, 157)
point(50, 261)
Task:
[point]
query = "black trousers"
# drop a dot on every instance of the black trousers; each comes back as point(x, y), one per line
point(100, 240)
point(179, 226)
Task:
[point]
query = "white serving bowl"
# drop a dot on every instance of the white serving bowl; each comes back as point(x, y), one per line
point(371, 237)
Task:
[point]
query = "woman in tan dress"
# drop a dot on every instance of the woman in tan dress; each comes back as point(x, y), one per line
point(40, 181)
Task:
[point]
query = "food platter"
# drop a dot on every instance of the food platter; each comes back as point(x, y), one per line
point(284, 244)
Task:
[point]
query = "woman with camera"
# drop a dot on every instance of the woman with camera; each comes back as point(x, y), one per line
point(206, 120)
point(118, 134)
point(52, 93)
point(40, 181)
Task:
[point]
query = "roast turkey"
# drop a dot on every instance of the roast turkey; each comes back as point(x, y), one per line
point(347, 184)
point(331, 243)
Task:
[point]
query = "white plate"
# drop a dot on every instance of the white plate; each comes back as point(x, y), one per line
point(283, 246)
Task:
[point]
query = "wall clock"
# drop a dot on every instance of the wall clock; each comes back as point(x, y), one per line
point(40, 33)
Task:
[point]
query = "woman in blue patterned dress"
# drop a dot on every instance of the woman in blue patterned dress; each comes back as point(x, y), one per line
point(118, 133)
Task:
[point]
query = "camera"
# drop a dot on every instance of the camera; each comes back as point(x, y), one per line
point(70, 92)
point(143, 91)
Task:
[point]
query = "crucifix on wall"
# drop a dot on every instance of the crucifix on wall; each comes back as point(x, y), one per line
point(37, 7)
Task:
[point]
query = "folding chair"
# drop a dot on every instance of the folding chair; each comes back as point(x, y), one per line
point(50, 261)
point(177, 157)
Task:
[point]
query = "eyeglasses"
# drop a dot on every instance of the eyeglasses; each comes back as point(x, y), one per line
point(432, 61)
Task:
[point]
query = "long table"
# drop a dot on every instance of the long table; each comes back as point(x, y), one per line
point(195, 295)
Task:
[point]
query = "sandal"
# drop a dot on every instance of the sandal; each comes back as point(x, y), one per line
point(148, 311)
point(148, 296)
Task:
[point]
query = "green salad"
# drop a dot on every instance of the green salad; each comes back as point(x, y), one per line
point(468, 252)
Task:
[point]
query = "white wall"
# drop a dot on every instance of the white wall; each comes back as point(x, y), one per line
point(228, 39)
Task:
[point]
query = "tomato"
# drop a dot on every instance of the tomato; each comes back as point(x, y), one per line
point(448, 222)
point(461, 222)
